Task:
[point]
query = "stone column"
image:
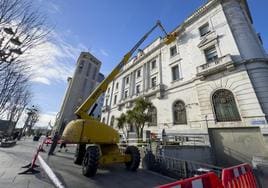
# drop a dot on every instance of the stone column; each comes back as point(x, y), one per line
point(242, 30)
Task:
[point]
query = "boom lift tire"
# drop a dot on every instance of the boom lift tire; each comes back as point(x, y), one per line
point(134, 163)
point(91, 161)
point(79, 153)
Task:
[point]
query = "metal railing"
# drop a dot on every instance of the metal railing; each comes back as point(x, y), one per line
point(177, 168)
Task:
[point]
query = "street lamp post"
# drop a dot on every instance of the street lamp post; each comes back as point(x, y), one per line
point(6, 50)
point(31, 112)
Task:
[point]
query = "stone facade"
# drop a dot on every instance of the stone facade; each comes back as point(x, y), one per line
point(85, 79)
point(217, 52)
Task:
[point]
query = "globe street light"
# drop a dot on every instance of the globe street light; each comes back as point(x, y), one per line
point(7, 51)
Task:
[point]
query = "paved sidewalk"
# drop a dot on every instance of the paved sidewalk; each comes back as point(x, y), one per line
point(11, 160)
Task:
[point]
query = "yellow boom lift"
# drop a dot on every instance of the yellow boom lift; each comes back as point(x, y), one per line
point(101, 139)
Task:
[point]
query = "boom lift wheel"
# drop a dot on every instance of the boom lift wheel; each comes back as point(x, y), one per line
point(79, 153)
point(91, 161)
point(134, 163)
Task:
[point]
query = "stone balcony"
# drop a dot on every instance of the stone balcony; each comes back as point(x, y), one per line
point(222, 63)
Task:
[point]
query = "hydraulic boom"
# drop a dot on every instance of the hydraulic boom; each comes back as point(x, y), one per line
point(102, 139)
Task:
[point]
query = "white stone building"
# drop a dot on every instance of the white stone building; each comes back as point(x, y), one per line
point(85, 78)
point(215, 74)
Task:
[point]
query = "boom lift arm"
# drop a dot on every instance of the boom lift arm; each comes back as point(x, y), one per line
point(102, 140)
point(82, 111)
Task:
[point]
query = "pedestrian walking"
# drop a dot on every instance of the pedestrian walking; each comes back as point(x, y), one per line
point(63, 145)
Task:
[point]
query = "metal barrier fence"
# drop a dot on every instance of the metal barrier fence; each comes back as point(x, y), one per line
point(177, 168)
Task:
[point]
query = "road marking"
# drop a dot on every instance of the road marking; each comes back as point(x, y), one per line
point(50, 173)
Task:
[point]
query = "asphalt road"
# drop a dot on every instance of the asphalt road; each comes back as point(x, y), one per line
point(113, 176)
point(11, 159)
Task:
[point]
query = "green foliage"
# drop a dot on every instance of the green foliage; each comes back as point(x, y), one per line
point(121, 121)
point(137, 117)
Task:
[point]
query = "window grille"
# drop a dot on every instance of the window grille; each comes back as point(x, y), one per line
point(225, 106)
point(179, 111)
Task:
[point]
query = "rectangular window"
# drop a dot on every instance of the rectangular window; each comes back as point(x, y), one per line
point(94, 73)
point(138, 89)
point(126, 94)
point(175, 73)
point(108, 91)
point(138, 73)
point(203, 30)
point(153, 64)
point(173, 51)
point(211, 54)
point(116, 85)
point(153, 81)
point(127, 80)
point(106, 102)
point(81, 64)
point(88, 69)
point(115, 97)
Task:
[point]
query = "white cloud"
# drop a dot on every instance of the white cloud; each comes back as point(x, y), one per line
point(53, 60)
point(45, 118)
point(103, 52)
point(43, 121)
point(41, 80)
point(54, 8)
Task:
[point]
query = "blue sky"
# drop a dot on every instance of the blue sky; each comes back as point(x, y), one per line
point(108, 29)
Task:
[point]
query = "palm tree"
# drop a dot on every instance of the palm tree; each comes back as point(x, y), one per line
point(121, 123)
point(139, 115)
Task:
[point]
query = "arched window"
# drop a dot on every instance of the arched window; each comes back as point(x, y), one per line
point(103, 120)
point(179, 112)
point(112, 121)
point(152, 112)
point(224, 106)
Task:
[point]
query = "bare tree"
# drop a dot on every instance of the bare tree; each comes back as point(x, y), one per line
point(22, 27)
point(18, 104)
point(12, 83)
